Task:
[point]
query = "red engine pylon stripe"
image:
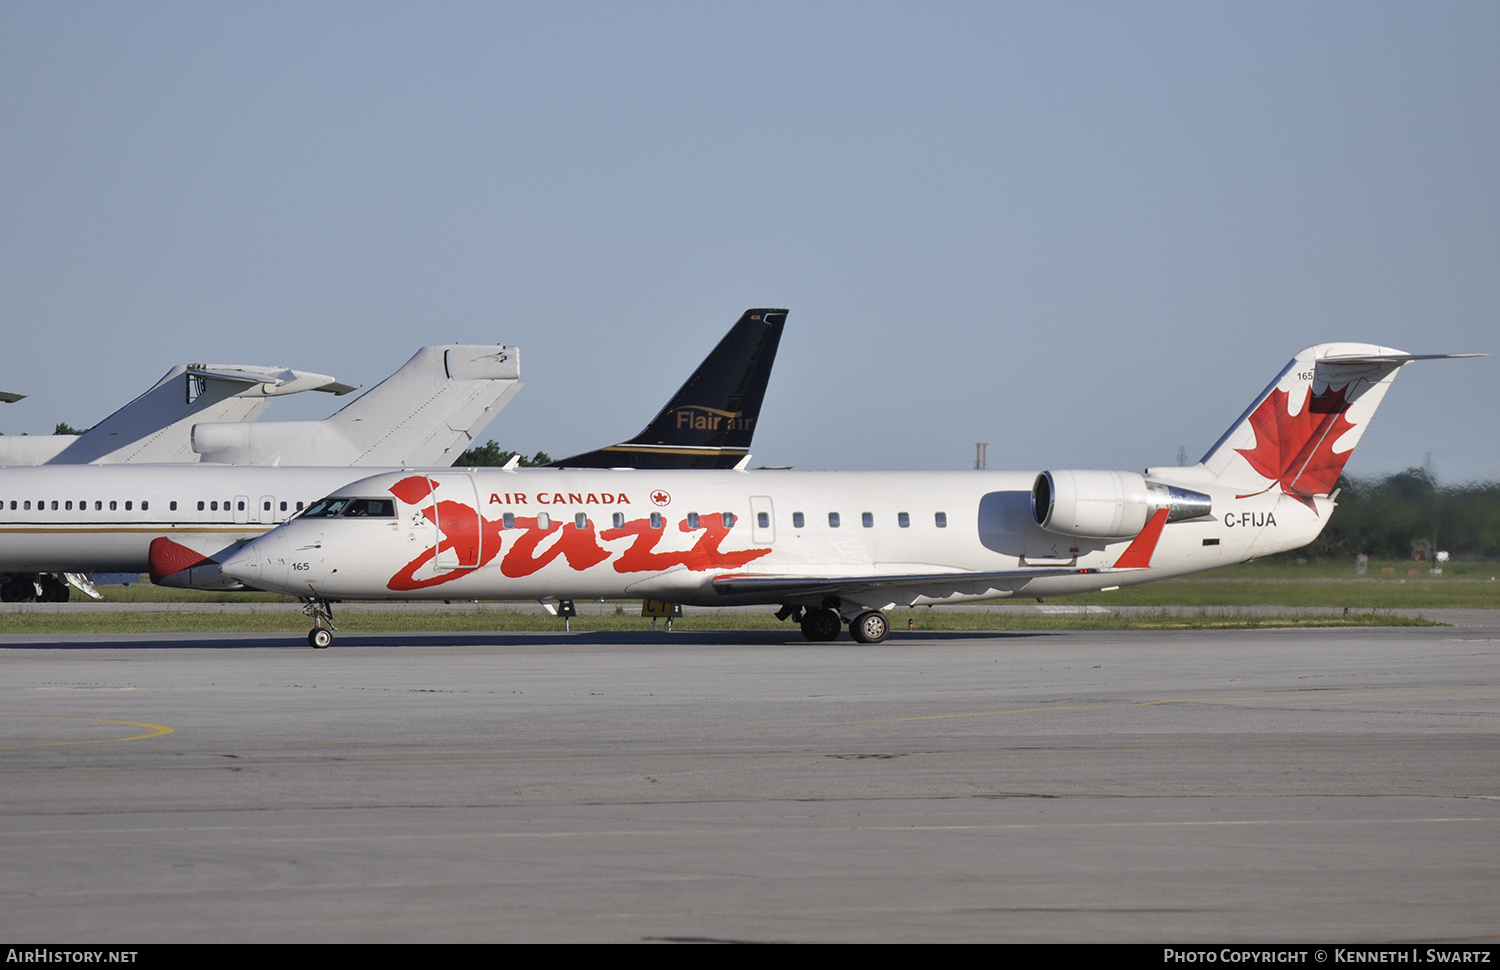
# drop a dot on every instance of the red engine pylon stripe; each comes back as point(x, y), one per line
point(1138, 554)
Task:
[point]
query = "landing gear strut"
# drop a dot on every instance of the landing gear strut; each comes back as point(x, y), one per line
point(321, 612)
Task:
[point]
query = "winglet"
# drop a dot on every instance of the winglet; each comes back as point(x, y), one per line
point(1138, 554)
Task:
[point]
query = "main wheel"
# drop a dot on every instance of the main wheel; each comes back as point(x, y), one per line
point(820, 626)
point(53, 590)
point(870, 627)
point(16, 591)
point(319, 638)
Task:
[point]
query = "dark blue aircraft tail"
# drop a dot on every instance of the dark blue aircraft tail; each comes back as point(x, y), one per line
point(711, 419)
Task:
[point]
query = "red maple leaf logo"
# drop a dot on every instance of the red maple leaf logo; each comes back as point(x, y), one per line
point(1296, 451)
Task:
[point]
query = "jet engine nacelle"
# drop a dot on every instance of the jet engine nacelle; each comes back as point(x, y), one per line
point(1106, 504)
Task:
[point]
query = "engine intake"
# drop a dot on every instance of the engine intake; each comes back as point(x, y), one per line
point(1108, 505)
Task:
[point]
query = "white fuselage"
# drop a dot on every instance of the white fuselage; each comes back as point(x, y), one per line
point(569, 534)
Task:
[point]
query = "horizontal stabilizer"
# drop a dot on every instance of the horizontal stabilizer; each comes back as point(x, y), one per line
point(277, 381)
point(9, 398)
point(156, 426)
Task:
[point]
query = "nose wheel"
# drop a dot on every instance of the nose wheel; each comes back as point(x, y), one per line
point(320, 637)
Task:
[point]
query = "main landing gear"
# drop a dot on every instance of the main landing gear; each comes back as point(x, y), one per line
point(820, 626)
point(321, 612)
point(870, 627)
point(824, 623)
point(43, 587)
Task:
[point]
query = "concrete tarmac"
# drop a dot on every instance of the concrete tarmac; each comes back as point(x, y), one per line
point(1266, 785)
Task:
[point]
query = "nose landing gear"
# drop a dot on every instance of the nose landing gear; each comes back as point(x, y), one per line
point(320, 637)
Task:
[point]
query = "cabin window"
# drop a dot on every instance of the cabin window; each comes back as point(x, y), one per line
point(797, 520)
point(543, 521)
point(299, 506)
point(692, 520)
point(508, 520)
point(113, 505)
point(581, 521)
point(656, 521)
point(728, 519)
point(833, 520)
point(265, 506)
point(903, 520)
point(54, 505)
point(200, 506)
point(867, 519)
point(68, 506)
point(239, 505)
point(145, 506)
point(98, 506)
point(940, 519)
point(128, 504)
point(172, 505)
point(283, 506)
point(763, 519)
point(619, 520)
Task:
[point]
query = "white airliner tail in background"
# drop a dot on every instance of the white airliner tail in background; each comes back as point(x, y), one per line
point(155, 426)
point(426, 414)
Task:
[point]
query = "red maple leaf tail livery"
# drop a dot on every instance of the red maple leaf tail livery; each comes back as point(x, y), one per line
point(1297, 436)
point(833, 549)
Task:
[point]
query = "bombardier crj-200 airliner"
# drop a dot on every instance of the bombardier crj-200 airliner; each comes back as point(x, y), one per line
point(832, 548)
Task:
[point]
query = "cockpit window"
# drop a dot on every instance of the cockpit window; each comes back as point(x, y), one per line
point(326, 508)
point(371, 508)
point(354, 508)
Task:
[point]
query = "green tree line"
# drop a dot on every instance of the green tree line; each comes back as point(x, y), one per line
point(489, 454)
point(1408, 514)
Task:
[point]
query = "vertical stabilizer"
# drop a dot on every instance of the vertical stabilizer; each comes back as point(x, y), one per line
point(710, 421)
point(1301, 430)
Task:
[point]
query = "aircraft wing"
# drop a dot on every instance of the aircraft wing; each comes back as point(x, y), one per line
point(933, 584)
point(10, 398)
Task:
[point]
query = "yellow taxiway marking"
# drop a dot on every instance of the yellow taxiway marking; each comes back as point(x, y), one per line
point(151, 731)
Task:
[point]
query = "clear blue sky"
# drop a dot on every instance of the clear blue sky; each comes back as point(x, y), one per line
point(1086, 234)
